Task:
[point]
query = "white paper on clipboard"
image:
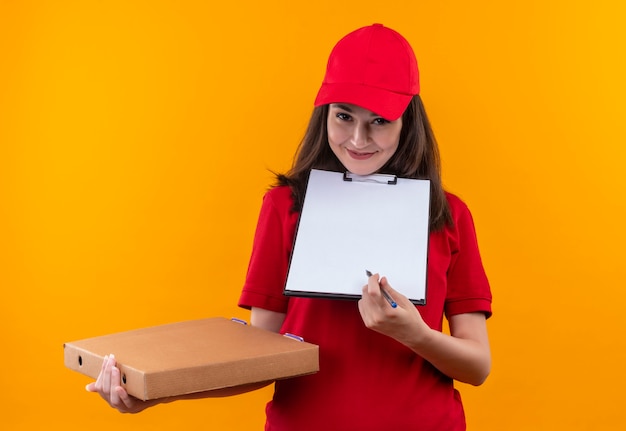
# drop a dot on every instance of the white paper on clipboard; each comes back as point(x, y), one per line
point(351, 223)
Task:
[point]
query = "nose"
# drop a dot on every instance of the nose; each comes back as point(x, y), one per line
point(359, 136)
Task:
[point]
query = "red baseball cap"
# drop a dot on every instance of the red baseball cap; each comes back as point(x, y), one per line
point(373, 67)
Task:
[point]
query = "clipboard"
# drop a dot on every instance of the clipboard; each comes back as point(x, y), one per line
point(352, 223)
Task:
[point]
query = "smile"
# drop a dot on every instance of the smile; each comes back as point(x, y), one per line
point(359, 156)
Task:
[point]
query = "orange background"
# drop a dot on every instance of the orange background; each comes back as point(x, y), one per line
point(136, 139)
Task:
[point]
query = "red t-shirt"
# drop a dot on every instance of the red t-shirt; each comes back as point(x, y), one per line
point(367, 381)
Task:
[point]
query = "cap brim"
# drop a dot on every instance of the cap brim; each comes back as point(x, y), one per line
point(385, 103)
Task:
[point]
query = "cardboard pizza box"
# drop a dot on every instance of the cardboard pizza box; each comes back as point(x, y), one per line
point(194, 356)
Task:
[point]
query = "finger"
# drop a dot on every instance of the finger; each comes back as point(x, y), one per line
point(373, 279)
point(378, 293)
point(106, 377)
point(114, 397)
point(397, 296)
point(373, 285)
point(98, 383)
point(128, 401)
point(370, 295)
point(385, 283)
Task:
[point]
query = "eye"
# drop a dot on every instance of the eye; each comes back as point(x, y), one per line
point(343, 116)
point(380, 121)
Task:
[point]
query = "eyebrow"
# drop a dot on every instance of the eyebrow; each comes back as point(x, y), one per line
point(344, 107)
point(347, 108)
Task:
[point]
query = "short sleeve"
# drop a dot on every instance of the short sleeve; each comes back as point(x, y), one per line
point(269, 261)
point(468, 287)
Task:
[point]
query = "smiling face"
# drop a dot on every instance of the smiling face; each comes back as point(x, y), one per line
point(362, 140)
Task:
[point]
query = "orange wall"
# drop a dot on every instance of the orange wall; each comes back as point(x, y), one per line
point(135, 143)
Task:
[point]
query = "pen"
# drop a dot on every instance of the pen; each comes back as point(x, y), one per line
point(384, 292)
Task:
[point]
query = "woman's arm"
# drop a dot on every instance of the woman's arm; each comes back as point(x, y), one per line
point(266, 319)
point(464, 355)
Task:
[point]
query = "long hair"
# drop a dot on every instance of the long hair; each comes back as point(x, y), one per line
point(417, 156)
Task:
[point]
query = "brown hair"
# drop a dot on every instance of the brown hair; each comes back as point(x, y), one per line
point(417, 157)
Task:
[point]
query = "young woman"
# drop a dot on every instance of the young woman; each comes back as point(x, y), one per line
point(381, 368)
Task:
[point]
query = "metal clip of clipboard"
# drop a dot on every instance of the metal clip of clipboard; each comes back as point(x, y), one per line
point(374, 178)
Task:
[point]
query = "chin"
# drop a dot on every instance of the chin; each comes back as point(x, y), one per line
point(361, 170)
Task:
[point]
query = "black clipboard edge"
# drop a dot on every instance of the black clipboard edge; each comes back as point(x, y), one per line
point(341, 296)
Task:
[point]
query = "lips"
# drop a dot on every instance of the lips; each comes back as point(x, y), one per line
point(359, 155)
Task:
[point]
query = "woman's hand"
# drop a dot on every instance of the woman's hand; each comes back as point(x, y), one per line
point(403, 323)
point(108, 385)
point(463, 355)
